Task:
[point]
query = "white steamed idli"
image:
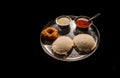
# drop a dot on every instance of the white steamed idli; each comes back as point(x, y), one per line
point(84, 42)
point(62, 45)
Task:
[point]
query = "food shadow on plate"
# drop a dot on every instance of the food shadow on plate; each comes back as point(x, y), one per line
point(62, 56)
point(78, 30)
point(47, 41)
point(64, 30)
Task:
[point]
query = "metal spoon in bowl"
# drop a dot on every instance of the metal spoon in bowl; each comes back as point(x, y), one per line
point(94, 16)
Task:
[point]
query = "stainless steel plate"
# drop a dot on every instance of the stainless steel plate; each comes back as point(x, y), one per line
point(71, 32)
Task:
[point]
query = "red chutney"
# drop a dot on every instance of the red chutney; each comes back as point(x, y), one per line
point(82, 23)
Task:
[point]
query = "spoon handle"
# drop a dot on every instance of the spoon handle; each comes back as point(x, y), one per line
point(95, 16)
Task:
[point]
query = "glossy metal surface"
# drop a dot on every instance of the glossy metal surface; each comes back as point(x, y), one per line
point(71, 32)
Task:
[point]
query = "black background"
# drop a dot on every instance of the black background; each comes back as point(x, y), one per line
point(101, 63)
point(23, 54)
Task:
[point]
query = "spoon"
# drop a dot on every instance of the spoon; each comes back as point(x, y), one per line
point(94, 16)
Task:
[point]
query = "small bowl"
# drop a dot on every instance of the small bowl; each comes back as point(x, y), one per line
point(63, 21)
point(83, 22)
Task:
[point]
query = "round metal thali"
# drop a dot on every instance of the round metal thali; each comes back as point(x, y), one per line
point(71, 32)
